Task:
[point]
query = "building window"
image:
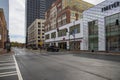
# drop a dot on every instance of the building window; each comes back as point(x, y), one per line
point(47, 36)
point(42, 36)
point(38, 36)
point(42, 33)
point(64, 22)
point(112, 25)
point(62, 33)
point(93, 35)
point(53, 35)
point(75, 29)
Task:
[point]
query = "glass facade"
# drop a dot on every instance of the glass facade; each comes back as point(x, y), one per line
point(93, 35)
point(62, 33)
point(53, 35)
point(75, 29)
point(112, 25)
point(47, 36)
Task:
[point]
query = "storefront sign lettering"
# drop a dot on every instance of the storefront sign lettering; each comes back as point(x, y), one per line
point(111, 6)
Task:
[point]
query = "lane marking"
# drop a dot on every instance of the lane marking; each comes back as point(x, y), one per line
point(8, 75)
point(9, 67)
point(18, 70)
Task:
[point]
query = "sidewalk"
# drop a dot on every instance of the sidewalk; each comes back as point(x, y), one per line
point(88, 52)
point(4, 51)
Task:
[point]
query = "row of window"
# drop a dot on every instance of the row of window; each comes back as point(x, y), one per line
point(73, 30)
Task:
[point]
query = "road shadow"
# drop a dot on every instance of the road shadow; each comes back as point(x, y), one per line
point(56, 53)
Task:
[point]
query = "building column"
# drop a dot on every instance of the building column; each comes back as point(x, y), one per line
point(68, 45)
point(56, 44)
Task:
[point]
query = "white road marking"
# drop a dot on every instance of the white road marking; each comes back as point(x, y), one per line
point(18, 70)
point(8, 67)
point(5, 64)
point(8, 75)
point(6, 61)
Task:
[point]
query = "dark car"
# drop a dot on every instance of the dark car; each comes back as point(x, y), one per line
point(34, 48)
point(53, 49)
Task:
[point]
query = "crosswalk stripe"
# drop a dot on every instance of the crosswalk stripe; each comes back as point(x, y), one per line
point(8, 72)
point(6, 61)
point(8, 67)
point(5, 64)
point(8, 75)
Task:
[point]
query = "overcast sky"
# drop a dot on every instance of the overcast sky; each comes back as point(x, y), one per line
point(17, 19)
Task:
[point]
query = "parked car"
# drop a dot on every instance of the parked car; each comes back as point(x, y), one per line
point(53, 49)
point(34, 48)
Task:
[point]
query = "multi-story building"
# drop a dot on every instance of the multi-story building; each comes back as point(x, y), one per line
point(102, 27)
point(35, 9)
point(63, 12)
point(70, 36)
point(98, 30)
point(3, 29)
point(36, 33)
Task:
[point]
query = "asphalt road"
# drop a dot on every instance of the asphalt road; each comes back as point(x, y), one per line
point(34, 65)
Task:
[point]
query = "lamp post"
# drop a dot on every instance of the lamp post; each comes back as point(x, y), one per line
point(68, 39)
point(74, 34)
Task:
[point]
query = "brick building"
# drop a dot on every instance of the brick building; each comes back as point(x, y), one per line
point(63, 12)
point(3, 29)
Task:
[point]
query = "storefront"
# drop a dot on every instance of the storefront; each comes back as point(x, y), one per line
point(75, 45)
point(112, 25)
point(102, 27)
point(62, 45)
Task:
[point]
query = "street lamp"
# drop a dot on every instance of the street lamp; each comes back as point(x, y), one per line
point(74, 33)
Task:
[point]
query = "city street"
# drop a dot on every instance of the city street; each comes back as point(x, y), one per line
point(63, 66)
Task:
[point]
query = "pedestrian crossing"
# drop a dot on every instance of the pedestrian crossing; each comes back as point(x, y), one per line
point(7, 67)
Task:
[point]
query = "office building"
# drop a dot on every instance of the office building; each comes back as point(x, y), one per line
point(102, 26)
point(35, 9)
point(63, 12)
point(70, 36)
point(99, 29)
point(36, 34)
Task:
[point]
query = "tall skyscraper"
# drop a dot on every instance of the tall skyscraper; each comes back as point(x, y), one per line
point(35, 9)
